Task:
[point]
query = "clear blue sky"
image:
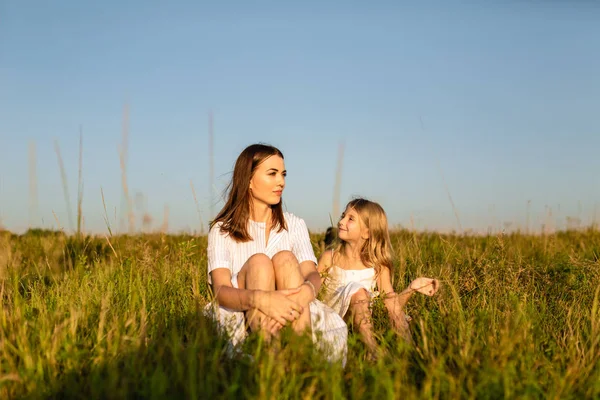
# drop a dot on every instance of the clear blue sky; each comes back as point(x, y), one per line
point(508, 92)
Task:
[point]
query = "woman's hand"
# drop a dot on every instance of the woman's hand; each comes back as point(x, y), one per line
point(271, 326)
point(278, 306)
point(304, 295)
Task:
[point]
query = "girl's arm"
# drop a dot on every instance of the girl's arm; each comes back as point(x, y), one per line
point(395, 302)
point(426, 286)
point(325, 262)
point(391, 299)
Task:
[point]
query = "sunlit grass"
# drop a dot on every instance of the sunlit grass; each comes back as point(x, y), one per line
point(517, 317)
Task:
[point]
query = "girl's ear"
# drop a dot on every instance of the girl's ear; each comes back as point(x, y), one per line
point(365, 234)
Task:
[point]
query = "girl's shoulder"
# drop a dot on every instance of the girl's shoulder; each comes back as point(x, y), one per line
point(332, 258)
point(325, 261)
point(327, 257)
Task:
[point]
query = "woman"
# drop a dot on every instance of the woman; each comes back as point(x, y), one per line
point(260, 260)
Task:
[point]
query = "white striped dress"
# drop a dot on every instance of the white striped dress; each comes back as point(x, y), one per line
point(329, 331)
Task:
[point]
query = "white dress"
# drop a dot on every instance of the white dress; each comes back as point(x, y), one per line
point(329, 331)
point(341, 284)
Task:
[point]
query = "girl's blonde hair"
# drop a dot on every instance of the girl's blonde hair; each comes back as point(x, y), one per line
point(376, 252)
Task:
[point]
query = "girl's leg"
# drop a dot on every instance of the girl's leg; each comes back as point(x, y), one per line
point(361, 318)
point(257, 273)
point(396, 302)
point(288, 276)
point(395, 307)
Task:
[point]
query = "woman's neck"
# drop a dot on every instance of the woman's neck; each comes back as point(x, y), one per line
point(261, 213)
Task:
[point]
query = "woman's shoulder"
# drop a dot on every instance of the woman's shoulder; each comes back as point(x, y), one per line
point(293, 220)
point(215, 230)
point(216, 226)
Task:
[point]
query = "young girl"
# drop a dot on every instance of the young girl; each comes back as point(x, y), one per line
point(261, 263)
point(360, 263)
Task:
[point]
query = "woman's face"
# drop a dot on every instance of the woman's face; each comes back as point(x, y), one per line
point(268, 181)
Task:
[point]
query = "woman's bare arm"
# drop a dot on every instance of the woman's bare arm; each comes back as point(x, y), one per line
point(230, 297)
point(311, 274)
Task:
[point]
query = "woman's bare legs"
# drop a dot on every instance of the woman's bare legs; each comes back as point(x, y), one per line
point(361, 317)
point(288, 276)
point(257, 273)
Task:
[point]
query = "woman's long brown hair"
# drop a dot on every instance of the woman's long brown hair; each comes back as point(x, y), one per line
point(236, 212)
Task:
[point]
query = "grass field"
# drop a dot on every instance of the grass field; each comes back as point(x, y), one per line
point(517, 316)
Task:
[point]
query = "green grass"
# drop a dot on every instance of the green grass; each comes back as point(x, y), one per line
point(517, 317)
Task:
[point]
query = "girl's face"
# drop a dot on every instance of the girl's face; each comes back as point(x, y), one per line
point(268, 181)
point(351, 227)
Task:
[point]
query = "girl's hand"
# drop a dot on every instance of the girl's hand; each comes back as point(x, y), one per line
point(277, 305)
point(427, 286)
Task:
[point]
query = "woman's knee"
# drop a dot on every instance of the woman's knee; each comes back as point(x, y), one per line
point(259, 265)
point(284, 259)
point(259, 258)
